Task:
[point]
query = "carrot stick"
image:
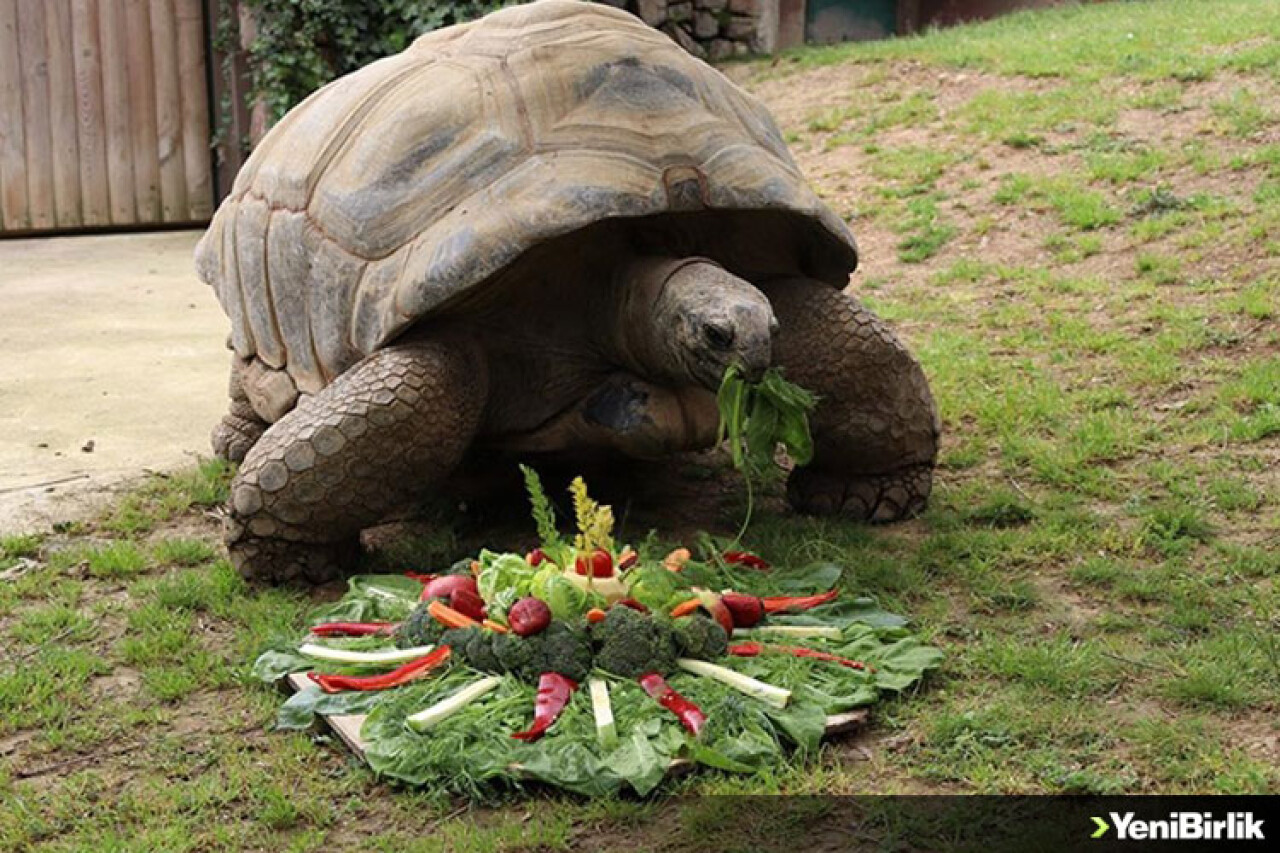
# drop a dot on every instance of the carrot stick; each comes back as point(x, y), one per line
point(494, 626)
point(684, 608)
point(447, 616)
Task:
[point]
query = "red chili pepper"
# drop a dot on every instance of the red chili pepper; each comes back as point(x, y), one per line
point(354, 629)
point(689, 714)
point(411, 671)
point(745, 558)
point(554, 691)
point(750, 650)
point(796, 603)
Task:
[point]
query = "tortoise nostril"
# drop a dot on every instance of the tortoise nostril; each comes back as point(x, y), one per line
point(718, 335)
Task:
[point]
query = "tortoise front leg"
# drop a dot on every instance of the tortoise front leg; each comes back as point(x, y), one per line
point(383, 433)
point(876, 428)
point(241, 427)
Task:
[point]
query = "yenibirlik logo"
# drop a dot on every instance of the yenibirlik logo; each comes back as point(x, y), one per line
point(1183, 826)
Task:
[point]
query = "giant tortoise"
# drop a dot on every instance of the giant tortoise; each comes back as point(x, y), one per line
point(548, 231)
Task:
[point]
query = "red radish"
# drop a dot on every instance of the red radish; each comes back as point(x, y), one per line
point(443, 587)
point(536, 557)
point(468, 602)
point(627, 560)
point(597, 564)
point(529, 616)
point(747, 610)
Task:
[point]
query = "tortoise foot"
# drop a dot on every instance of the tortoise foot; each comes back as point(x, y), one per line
point(278, 561)
point(877, 498)
point(233, 437)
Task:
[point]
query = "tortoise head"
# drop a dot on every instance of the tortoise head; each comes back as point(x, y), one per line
point(701, 320)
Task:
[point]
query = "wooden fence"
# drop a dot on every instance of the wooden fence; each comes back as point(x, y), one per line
point(104, 114)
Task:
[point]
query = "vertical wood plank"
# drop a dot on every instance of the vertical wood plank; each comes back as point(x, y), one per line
point(112, 28)
point(142, 110)
point(195, 109)
point(95, 197)
point(164, 48)
point(62, 114)
point(35, 101)
point(13, 147)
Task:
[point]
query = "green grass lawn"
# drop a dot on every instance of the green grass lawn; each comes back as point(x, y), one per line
point(1073, 216)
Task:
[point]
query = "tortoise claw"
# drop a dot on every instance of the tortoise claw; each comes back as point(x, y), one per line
point(878, 498)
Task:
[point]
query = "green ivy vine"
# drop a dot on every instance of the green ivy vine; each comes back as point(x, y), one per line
point(302, 44)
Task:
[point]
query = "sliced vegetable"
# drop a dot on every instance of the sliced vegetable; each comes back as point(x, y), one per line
point(411, 671)
point(452, 704)
point(536, 557)
point(490, 625)
point(676, 559)
point(634, 605)
point(450, 618)
point(778, 697)
point(822, 632)
point(684, 608)
point(689, 714)
point(602, 710)
point(595, 615)
point(554, 691)
point(528, 616)
point(627, 559)
point(797, 603)
point(745, 558)
point(750, 650)
point(746, 610)
point(372, 658)
point(354, 629)
point(420, 577)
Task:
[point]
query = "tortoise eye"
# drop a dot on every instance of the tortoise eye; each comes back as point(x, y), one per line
point(719, 336)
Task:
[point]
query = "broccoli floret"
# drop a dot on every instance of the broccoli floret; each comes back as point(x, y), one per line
point(564, 650)
point(419, 629)
point(632, 644)
point(461, 567)
point(519, 656)
point(699, 636)
point(473, 647)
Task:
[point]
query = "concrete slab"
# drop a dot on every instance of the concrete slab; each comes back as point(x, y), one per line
point(112, 363)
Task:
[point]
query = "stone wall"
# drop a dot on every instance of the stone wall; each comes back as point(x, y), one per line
point(711, 29)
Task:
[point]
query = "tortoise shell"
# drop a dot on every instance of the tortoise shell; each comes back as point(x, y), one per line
point(391, 191)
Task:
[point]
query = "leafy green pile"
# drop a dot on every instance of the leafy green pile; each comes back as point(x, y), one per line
point(472, 753)
point(756, 417)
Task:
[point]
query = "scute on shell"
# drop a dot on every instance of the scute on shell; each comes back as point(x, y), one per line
point(392, 190)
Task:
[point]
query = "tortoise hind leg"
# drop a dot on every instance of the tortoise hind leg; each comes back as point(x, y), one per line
point(379, 435)
point(876, 427)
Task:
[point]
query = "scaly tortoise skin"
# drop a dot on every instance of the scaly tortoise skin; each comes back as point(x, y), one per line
point(546, 231)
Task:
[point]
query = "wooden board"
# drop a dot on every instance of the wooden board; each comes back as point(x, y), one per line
point(347, 726)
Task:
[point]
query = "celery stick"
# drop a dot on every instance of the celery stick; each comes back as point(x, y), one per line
point(822, 632)
point(451, 705)
point(775, 696)
point(379, 656)
point(606, 731)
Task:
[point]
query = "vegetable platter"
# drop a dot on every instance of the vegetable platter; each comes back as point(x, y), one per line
point(591, 666)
